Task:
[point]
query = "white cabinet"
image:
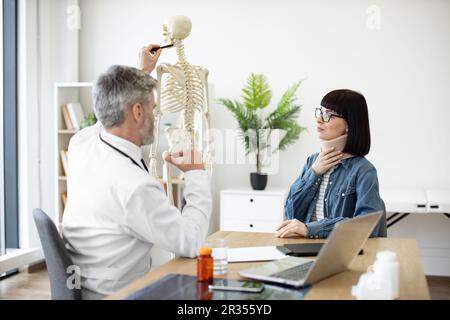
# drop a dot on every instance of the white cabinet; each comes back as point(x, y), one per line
point(251, 210)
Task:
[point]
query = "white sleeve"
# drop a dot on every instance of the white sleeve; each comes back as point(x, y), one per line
point(150, 217)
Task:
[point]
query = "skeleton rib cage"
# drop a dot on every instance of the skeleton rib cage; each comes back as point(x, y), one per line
point(183, 89)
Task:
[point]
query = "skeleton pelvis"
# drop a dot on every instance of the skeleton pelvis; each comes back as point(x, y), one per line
point(180, 139)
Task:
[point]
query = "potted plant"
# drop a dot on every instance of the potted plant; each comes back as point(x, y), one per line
point(256, 129)
point(88, 120)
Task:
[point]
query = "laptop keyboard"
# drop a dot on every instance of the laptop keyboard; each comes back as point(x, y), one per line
point(294, 273)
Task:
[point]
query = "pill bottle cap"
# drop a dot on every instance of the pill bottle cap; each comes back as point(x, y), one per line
point(386, 256)
point(205, 251)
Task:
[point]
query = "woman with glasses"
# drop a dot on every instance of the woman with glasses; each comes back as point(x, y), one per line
point(339, 182)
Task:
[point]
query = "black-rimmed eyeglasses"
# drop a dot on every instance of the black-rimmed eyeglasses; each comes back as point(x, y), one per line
point(326, 115)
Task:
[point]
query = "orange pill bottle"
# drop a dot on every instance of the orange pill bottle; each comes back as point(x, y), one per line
point(205, 265)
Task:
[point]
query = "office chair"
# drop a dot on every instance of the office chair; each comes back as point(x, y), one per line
point(56, 257)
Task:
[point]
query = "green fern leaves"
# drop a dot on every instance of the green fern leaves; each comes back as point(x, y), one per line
point(257, 95)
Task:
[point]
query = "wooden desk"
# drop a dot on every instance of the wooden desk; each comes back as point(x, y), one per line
point(413, 284)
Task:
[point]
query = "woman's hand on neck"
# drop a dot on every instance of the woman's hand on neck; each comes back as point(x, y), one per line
point(338, 144)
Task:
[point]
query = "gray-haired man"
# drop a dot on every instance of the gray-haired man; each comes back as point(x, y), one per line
point(116, 211)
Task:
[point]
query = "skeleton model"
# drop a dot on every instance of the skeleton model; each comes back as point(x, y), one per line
point(181, 88)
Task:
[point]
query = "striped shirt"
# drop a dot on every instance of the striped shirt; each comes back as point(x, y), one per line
point(318, 213)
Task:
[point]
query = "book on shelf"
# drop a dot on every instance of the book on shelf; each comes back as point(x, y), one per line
point(63, 154)
point(66, 117)
point(76, 114)
point(64, 198)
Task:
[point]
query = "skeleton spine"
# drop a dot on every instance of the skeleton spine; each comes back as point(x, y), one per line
point(189, 110)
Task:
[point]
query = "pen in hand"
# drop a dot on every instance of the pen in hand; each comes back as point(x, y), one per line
point(153, 50)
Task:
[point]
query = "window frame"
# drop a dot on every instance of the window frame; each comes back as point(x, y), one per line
point(10, 154)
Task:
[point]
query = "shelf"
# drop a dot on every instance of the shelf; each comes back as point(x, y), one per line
point(174, 181)
point(66, 92)
point(73, 85)
point(67, 131)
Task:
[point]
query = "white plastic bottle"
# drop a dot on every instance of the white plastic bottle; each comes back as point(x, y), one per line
point(382, 281)
point(387, 266)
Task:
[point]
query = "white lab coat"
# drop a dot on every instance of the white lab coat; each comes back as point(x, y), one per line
point(116, 211)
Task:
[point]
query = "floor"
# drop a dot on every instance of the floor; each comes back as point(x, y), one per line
point(35, 286)
point(439, 287)
point(26, 286)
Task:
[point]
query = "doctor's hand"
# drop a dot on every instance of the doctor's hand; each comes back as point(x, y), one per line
point(186, 160)
point(149, 59)
point(325, 160)
point(291, 228)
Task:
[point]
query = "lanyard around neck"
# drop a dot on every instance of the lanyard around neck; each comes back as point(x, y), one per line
point(124, 154)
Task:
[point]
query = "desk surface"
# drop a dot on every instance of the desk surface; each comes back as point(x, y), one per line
point(413, 284)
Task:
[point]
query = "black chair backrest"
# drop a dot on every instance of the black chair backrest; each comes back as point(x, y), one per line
point(383, 221)
point(56, 257)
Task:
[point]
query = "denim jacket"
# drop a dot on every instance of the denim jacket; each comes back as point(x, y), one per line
point(352, 191)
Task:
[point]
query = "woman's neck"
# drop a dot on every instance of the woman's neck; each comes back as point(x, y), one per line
point(337, 143)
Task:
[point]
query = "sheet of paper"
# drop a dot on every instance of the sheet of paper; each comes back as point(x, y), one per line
point(254, 254)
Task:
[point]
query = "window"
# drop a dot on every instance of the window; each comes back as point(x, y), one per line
point(8, 127)
point(2, 211)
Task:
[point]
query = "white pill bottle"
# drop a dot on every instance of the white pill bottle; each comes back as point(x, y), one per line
point(386, 266)
point(381, 282)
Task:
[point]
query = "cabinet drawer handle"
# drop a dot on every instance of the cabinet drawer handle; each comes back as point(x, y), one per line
point(251, 225)
point(251, 200)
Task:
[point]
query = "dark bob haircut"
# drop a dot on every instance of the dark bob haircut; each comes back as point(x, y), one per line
point(353, 107)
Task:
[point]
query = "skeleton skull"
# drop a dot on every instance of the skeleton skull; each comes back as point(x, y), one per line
point(179, 27)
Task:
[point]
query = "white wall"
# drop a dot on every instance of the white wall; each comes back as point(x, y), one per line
point(402, 69)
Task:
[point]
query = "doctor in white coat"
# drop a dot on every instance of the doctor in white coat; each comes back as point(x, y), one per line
point(116, 211)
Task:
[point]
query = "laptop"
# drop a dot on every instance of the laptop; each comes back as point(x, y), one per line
point(336, 255)
point(302, 249)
